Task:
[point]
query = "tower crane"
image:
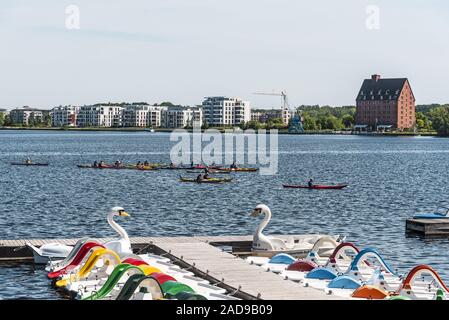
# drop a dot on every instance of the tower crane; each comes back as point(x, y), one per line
point(285, 108)
point(282, 94)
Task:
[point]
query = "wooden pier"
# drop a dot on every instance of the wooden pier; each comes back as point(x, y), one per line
point(206, 257)
point(429, 228)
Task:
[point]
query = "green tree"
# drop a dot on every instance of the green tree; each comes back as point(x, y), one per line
point(330, 122)
point(440, 120)
point(31, 120)
point(423, 122)
point(253, 124)
point(2, 119)
point(167, 104)
point(347, 120)
point(309, 122)
point(275, 123)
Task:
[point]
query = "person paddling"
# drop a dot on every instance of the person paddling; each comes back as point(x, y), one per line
point(28, 160)
point(233, 165)
point(310, 183)
point(199, 177)
point(95, 164)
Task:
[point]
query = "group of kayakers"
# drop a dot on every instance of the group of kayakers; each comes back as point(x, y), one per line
point(142, 164)
point(204, 176)
point(99, 164)
point(118, 164)
point(139, 164)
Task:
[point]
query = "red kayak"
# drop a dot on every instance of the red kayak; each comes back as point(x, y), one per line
point(317, 186)
point(200, 166)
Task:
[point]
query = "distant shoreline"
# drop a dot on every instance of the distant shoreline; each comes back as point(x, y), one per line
point(281, 131)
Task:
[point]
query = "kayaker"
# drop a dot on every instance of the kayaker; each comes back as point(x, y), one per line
point(310, 183)
point(146, 163)
point(233, 165)
point(95, 165)
point(172, 165)
point(191, 164)
point(206, 170)
point(101, 164)
point(28, 160)
point(199, 177)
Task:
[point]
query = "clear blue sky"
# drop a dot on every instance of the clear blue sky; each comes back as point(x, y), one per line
point(179, 50)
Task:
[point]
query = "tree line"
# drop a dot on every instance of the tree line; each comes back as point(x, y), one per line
point(433, 117)
point(429, 118)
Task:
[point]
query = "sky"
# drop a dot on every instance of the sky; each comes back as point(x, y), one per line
point(319, 51)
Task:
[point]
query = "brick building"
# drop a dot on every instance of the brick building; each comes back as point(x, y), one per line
point(384, 104)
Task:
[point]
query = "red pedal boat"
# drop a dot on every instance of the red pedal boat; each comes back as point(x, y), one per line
point(317, 186)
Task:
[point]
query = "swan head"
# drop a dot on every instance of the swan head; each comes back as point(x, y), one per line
point(119, 211)
point(261, 208)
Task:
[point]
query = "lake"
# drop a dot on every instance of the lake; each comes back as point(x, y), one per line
point(389, 178)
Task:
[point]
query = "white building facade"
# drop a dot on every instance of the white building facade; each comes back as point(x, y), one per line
point(100, 116)
point(26, 115)
point(64, 116)
point(142, 116)
point(181, 117)
point(223, 111)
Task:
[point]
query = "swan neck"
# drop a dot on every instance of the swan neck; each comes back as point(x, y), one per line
point(263, 224)
point(114, 225)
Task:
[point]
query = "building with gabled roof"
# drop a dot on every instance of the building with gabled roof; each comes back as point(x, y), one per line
point(383, 104)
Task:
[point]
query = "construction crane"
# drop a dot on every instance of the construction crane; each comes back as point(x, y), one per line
point(285, 108)
point(282, 94)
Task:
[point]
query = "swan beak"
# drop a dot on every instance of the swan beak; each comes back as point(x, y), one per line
point(124, 214)
point(255, 213)
point(61, 283)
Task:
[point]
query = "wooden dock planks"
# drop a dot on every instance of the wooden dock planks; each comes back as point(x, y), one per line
point(429, 228)
point(236, 273)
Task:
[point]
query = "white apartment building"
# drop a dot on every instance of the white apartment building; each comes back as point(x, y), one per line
point(180, 117)
point(25, 114)
point(100, 116)
point(223, 111)
point(286, 115)
point(256, 115)
point(64, 116)
point(142, 116)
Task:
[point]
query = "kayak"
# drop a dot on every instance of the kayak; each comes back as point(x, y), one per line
point(200, 166)
point(238, 169)
point(210, 172)
point(338, 186)
point(28, 164)
point(177, 168)
point(210, 180)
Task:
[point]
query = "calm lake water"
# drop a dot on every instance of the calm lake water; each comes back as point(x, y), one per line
point(389, 180)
